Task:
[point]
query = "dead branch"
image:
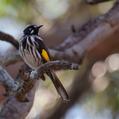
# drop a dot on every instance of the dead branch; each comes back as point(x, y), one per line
point(93, 2)
point(14, 85)
point(29, 79)
point(55, 65)
point(89, 35)
point(10, 58)
point(102, 32)
point(14, 56)
point(76, 46)
point(8, 38)
point(19, 90)
point(98, 44)
point(8, 81)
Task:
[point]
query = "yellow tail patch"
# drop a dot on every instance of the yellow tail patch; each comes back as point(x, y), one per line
point(45, 55)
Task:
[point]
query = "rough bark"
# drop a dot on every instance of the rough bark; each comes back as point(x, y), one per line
point(95, 40)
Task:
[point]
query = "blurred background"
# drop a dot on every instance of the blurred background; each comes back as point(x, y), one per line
point(57, 16)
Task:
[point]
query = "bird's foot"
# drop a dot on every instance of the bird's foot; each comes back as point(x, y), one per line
point(34, 74)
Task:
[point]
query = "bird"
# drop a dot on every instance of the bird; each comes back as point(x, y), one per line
point(34, 53)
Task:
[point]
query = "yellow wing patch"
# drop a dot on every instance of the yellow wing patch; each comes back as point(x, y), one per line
point(45, 55)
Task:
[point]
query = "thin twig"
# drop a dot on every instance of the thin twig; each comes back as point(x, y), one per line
point(93, 2)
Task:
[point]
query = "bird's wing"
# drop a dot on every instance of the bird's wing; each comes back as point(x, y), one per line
point(42, 49)
point(45, 55)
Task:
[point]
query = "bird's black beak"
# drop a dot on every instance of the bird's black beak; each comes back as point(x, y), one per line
point(40, 26)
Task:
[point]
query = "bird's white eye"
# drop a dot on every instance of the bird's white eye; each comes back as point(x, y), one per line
point(32, 31)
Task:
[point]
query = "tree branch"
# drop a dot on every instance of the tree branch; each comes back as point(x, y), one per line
point(10, 58)
point(93, 2)
point(99, 35)
point(8, 38)
point(25, 87)
point(55, 65)
point(8, 81)
point(98, 43)
point(88, 36)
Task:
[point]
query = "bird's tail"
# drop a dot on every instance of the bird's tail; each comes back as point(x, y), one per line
point(58, 85)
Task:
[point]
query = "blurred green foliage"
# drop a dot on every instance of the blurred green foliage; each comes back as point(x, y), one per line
point(48, 10)
point(20, 9)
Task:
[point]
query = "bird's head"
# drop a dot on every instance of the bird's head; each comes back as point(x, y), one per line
point(32, 30)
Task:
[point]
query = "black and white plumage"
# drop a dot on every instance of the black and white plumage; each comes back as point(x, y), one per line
point(34, 52)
